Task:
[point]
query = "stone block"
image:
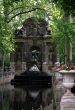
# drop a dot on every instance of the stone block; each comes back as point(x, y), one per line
point(67, 103)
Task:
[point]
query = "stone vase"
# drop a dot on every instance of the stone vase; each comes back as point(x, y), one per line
point(68, 80)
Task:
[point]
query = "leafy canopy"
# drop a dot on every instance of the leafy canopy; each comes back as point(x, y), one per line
point(14, 12)
point(66, 5)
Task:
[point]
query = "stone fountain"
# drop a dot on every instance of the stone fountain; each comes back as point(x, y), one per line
point(32, 78)
point(34, 82)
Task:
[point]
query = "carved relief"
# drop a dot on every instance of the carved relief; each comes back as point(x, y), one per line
point(33, 27)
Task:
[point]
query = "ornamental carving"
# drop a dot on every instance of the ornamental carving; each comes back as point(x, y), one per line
point(33, 27)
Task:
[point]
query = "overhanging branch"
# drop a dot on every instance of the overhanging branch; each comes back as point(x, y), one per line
point(17, 9)
point(34, 9)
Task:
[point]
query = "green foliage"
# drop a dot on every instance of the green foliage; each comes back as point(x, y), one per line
point(6, 103)
point(59, 30)
point(66, 5)
point(6, 37)
point(14, 12)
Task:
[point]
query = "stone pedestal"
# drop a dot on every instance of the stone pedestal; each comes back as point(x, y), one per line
point(67, 103)
point(68, 100)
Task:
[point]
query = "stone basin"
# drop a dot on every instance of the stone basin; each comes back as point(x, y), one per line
point(32, 79)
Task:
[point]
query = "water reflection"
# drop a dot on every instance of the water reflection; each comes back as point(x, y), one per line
point(18, 99)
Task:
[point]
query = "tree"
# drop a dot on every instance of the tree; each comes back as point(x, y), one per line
point(13, 13)
point(67, 5)
point(68, 8)
point(58, 32)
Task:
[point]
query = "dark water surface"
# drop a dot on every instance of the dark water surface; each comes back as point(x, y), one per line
point(19, 99)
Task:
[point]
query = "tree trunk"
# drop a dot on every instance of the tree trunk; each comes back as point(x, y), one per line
point(68, 45)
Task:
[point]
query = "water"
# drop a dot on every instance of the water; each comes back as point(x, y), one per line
point(20, 99)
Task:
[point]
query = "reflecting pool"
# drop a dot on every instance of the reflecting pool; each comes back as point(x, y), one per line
point(20, 99)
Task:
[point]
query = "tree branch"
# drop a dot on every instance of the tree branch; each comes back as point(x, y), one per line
point(34, 9)
point(16, 9)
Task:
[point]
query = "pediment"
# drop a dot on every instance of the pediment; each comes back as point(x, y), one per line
point(33, 27)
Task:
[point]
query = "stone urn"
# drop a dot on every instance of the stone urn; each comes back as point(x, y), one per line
point(68, 80)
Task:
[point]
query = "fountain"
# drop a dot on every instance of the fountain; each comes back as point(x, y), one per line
point(32, 78)
point(34, 82)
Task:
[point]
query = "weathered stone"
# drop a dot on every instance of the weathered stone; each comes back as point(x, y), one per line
point(34, 37)
point(67, 103)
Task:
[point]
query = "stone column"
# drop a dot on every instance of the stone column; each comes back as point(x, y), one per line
point(45, 63)
point(46, 53)
point(23, 66)
point(23, 60)
point(12, 63)
point(12, 67)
